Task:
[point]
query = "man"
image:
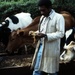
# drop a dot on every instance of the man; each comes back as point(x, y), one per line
point(51, 30)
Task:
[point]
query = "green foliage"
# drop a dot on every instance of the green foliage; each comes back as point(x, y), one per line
point(66, 5)
point(8, 9)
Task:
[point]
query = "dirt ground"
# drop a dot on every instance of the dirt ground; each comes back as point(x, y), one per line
point(16, 65)
point(15, 61)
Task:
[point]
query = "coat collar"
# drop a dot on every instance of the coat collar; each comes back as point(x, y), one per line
point(52, 13)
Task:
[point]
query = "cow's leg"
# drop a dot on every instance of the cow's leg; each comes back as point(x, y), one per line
point(9, 52)
point(22, 50)
point(26, 49)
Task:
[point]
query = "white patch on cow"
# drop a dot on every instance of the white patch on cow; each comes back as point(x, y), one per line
point(68, 32)
point(24, 20)
point(66, 57)
point(61, 56)
point(3, 23)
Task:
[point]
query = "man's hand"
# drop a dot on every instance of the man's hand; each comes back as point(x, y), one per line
point(37, 35)
point(40, 35)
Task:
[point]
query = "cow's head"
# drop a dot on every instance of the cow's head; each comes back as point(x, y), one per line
point(69, 53)
point(16, 41)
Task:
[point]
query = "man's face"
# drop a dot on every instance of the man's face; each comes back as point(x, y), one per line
point(44, 11)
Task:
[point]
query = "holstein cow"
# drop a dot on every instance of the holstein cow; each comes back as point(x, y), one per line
point(26, 39)
point(19, 20)
point(69, 53)
point(14, 22)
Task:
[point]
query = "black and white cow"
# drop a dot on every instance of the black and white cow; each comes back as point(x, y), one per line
point(69, 47)
point(68, 37)
point(20, 20)
point(14, 22)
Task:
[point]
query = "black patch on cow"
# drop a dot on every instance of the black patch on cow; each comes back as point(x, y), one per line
point(71, 37)
point(4, 35)
point(62, 42)
point(14, 19)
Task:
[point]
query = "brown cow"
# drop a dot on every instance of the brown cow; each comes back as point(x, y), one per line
point(16, 41)
point(22, 36)
point(69, 20)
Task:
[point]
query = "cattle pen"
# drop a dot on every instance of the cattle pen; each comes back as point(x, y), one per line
point(20, 65)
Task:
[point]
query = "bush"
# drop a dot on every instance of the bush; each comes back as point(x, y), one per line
point(11, 9)
point(67, 5)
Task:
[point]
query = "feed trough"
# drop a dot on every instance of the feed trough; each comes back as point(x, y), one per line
point(15, 65)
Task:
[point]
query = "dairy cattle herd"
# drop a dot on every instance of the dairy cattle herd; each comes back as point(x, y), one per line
point(12, 23)
point(19, 36)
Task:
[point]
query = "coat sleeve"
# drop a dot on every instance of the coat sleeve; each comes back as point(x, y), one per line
point(60, 27)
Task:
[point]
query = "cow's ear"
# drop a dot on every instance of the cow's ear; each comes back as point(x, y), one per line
point(19, 33)
point(71, 43)
point(14, 19)
point(13, 33)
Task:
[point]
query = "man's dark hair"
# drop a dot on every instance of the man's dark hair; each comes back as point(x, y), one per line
point(46, 3)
